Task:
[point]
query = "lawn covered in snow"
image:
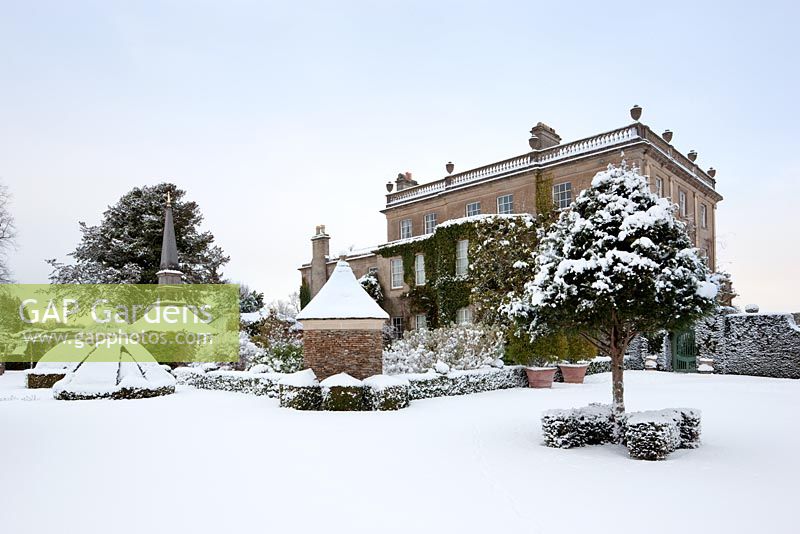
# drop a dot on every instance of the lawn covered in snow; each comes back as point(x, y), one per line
point(210, 461)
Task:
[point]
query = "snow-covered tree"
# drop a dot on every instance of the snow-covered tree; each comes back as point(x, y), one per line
point(371, 285)
point(6, 233)
point(250, 300)
point(617, 263)
point(126, 246)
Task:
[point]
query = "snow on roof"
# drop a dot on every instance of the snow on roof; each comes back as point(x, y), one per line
point(342, 297)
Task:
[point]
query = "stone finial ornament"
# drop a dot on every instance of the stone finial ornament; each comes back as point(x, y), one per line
point(667, 135)
point(636, 112)
point(449, 167)
point(712, 172)
point(692, 155)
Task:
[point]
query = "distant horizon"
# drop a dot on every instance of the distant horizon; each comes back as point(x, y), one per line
point(277, 118)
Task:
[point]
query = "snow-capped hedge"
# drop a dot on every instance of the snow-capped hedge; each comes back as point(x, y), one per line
point(576, 427)
point(648, 435)
point(460, 347)
point(238, 381)
point(300, 391)
point(343, 393)
point(653, 435)
point(756, 344)
point(42, 380)
point(432, 384)
point(380, 392)
point(385, 393)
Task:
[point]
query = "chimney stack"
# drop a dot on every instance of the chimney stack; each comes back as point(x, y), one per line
point(404, 181)
point(320, 250)
point(545, 135)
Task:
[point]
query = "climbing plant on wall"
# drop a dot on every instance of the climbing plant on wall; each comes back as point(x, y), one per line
point(444, 292)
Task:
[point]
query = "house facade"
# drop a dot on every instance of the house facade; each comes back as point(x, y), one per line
point(552, 173)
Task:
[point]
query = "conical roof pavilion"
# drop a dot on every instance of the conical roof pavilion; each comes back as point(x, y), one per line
point(342, 297)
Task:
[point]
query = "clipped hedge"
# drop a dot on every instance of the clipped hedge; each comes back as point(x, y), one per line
point(386, 393)
point(653, 435)
point(265, 384)
point(122, 394)
point(300, 397)
point(42, 380)
point(576, 427)
point(432, 384)
point(647, 435)
point(344, 399)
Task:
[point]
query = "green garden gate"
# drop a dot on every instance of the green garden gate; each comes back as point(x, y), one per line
point(684, 352)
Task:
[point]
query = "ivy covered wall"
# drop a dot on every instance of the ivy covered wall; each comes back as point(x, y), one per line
point(444, 292)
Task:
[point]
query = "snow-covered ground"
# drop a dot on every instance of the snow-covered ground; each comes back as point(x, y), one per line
point(209, 461)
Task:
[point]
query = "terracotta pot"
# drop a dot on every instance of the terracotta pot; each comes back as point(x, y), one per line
point(540, 377)
point(574, 373)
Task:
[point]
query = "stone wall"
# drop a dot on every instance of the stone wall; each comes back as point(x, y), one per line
point(358, 353)
point(758, 344)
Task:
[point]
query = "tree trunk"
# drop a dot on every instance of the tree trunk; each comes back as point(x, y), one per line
point(617, 347)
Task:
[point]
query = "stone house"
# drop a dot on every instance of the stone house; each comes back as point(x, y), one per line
point(516, 185)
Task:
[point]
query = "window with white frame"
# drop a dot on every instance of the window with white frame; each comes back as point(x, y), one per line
point(505, 204)
point(562, 195)
point(396, 265)
point(659, 183)
point(419, 269)
point(682, 203)
point(463, 316)
point(473, 208)
point(405, 229)
point(421, 321)
point(430, 223)
point(462, 258)
point(703, 216)
point(399, 326)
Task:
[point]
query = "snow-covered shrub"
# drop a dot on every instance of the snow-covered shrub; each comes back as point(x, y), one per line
point(689, 428)
point(653, 435)
point(576, 427)
point(385, 393)
point(343, 393)
point(300, 391)
point(277, 343)
point(460, 347)
point(432, 384)
point(237, 381)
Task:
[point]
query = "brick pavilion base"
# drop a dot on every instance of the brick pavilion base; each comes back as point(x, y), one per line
point(352, 346)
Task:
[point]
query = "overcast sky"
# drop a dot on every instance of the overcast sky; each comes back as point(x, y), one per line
point(276, 117)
